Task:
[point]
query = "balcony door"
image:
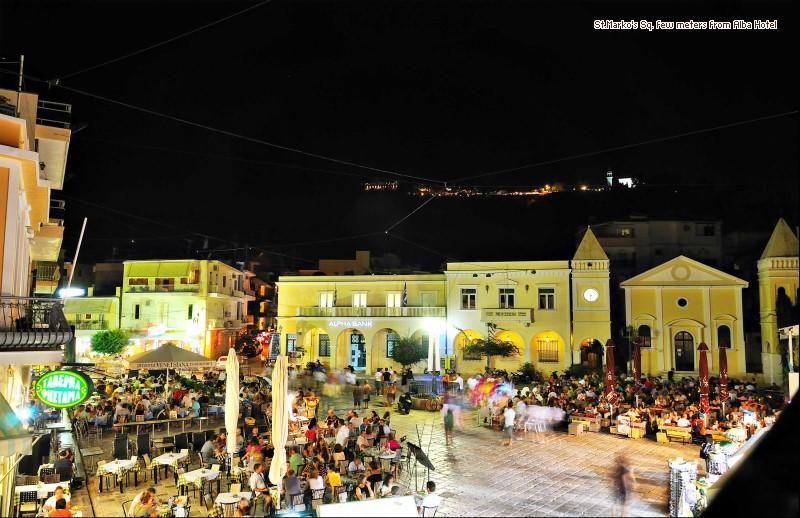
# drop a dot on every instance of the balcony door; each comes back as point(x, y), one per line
point(358, 351)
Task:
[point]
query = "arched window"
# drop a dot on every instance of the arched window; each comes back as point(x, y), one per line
point(724, 336)
point(644, 336)
point(684, 351)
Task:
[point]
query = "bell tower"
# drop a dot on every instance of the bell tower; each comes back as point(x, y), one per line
point(777, 278)
point(591, 309)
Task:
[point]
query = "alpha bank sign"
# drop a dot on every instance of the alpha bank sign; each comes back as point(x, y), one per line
point(350, 323)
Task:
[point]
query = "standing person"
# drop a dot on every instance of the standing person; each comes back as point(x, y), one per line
point(624, 484)
point(449, 423)
point(358, 394)
point(391, 392)
point(366, 394)
point(378, 381)
point(509, 416)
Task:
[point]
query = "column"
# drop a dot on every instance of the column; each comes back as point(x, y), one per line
point(431, 342)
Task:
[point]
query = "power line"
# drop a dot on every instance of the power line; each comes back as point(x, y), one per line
point(227, 132)
point(161, 43)
point(409, 214)
point(626, 146)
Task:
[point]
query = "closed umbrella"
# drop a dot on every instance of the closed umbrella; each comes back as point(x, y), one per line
point(703, 348)
point(637, 361)
point(280, 420)
point(231, 400)
point(611, 377)
point(723, 373)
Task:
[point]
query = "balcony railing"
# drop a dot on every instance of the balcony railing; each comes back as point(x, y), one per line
point(376, 311)
point(56, 114)
point(163, 288)
point(32, 324)
point(91, 325)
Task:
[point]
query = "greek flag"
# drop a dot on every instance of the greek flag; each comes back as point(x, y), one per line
point(404, 302)
point(333, 303)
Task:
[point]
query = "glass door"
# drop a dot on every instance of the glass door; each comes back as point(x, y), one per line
point(358, 351)
point(684, 351)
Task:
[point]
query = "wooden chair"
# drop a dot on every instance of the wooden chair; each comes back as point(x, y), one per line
point(429, 511)
point(149, 467)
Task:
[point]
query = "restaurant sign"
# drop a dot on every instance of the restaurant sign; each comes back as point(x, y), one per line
point(63, 389)
point(506, 315)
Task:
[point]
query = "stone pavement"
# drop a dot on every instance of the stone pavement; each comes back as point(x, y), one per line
point(561, 476)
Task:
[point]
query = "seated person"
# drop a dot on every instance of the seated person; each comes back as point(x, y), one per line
point(63, 466)
point(61, 509)
point(356, 466)
point(58, 494)
point(430, 500)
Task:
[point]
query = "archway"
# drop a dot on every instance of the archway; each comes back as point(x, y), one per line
point(591, 353)
point(465, 363)
point(511, 363)
point(351, 349)
point(381, 349)
point(683, 343)
point(318, 346)
point(547, 350)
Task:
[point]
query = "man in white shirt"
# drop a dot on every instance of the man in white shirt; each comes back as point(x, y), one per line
point(258, 483)
point(460, 382)
point(431, 500)
point(509, 415)
point(343, 435)
point(50, 503)
point(472, 383)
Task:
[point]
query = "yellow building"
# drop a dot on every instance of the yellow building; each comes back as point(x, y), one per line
point(200, 305)
point(33, 153)
point(777, 277)
point(675, 306)
point(90, 315)
point(548, 309)
point(355, 319)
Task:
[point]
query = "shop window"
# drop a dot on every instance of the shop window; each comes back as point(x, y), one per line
point(547, 350)
point(291, 342)
point(625, 232)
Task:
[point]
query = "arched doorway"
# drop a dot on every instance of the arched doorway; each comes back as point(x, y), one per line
point(318, 346)
point(684, 351)
point(511, 363)
point(351, 349)
point(592, 353)
point(381, 349)
point(466, 363)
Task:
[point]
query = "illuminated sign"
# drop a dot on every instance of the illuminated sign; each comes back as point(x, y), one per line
point(63, 389)
point(506, 315)
point(350, 323)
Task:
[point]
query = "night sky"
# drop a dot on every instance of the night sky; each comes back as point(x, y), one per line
point(437, 89)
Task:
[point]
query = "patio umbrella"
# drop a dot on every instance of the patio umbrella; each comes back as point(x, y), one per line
point(231, 399)
point(611, 377)
point(723, 374)
point(169, 356)
point(703, 348)
point(280, 420)
point(637, 361)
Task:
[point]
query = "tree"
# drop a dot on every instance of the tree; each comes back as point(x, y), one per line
point(110, 342)
point(491, 347)
point(408, 351)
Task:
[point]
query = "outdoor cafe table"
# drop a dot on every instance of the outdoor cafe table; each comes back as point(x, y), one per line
point(42, 490)
point(117, 465)
point(225, 499)
point(167, 459)
point(209, 474)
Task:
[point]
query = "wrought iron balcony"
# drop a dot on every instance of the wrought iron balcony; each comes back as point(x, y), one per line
point(376, 311)
point(32, 324)
point(163, 288)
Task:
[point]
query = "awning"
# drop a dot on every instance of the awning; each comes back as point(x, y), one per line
point(149, 269)
point(13, 437)
point(169, 356)
point(88, 305)
point(176, 269)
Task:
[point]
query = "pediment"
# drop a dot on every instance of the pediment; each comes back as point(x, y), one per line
point(683, 271)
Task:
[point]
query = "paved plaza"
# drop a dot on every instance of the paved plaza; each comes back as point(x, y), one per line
point(560, 475)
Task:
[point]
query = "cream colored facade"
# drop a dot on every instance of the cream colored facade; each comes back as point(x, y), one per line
point(778, 271)
point(200, 305)
point(352, 319)
point(91, 315)
point(531, 303)
point(679, 304)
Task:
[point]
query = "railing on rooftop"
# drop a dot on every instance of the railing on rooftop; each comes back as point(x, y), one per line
point(49, 113)
point(163, 288)
point(32, 324)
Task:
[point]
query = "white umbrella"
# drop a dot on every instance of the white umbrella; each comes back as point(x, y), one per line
point(280, 420)
point(231, 400)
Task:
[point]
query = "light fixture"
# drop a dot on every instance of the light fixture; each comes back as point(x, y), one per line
point(66, 293)
point(527, 287)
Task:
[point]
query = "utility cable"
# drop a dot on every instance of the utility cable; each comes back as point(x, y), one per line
point(161, 43)
point(626, 146)
point(409, 214)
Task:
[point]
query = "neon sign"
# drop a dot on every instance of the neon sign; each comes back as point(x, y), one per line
point(63, 389)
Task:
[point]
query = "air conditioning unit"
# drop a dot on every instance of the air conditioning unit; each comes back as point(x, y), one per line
point(147, 302)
